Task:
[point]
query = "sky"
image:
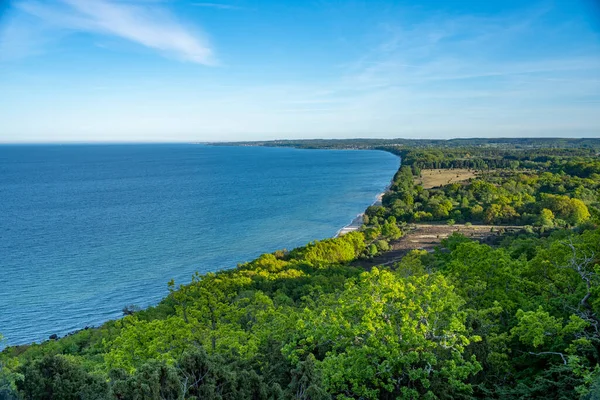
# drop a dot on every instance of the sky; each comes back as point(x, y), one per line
point(193, 71)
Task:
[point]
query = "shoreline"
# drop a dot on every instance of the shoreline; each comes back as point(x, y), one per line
point(357, 221)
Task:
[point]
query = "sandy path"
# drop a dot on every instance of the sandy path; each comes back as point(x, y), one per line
point(428, 236)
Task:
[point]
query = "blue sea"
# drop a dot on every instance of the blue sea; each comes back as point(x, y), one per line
point(88, 229)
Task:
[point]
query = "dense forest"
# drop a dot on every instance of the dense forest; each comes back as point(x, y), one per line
point(543, 188)
point(515, 319)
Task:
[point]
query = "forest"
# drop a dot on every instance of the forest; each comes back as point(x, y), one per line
point(543, 188)
point(518, 318)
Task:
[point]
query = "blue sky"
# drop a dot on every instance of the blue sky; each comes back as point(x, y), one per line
point(175, 70)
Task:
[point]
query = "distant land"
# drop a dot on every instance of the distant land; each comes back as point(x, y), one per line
point(515, 143)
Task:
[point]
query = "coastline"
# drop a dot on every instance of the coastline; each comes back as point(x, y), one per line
point(357, 221)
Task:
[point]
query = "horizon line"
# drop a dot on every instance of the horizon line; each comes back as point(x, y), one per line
point(114, 142)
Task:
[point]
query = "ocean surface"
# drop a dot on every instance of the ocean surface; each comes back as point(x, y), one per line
point(88, 229)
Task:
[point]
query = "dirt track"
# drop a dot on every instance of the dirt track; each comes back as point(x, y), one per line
point(427, 237)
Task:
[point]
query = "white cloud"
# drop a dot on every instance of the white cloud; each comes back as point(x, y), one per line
point(143, 22)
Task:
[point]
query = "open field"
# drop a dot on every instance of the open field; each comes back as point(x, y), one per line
point(431, 178)
point(428, 236)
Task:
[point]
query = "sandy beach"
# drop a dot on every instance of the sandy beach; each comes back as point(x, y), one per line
point(357, 222)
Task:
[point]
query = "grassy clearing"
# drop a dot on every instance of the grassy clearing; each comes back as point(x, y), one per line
point(431, 178)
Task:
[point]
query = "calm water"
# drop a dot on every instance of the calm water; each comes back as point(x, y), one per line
point(86, 230)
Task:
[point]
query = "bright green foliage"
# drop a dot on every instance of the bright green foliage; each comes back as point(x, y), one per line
point(536, 327)
point(574, 211)
point(485, 277)
point(382, 245)
point(389, 334)
point(412, 264)
point(373, 250)
point(546, 218)
point(372, 233)
point(140, 341)
point(498, 213)
point(390, 230)
point(342, 249)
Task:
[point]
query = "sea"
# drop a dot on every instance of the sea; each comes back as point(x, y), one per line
point(88, 229)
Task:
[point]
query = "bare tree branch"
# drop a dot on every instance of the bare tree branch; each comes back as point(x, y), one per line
point(550, 352)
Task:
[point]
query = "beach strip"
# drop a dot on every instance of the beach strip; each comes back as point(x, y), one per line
point(357, 222)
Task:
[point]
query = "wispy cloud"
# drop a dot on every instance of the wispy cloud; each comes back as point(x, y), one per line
point(525, 72)
point(500, 57)
point(217, 5)
point(460, 75)
point(144, 22)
